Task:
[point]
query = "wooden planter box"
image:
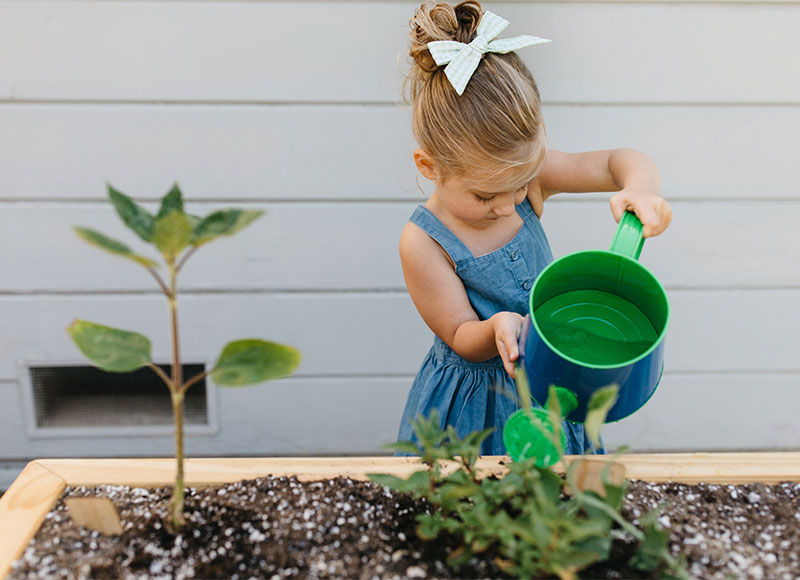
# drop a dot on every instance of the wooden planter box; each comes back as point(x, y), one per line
point(24, 506)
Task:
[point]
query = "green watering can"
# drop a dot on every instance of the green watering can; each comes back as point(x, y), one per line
point(596, 318)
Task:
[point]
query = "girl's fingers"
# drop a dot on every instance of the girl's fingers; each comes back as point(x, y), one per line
point(504, 355)
point(509, 352)
point(654, 213)
point(507, 327)
point(618, 207)
point(509, 342)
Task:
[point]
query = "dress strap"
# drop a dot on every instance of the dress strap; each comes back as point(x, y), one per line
point(524, 209)
point(431, 225)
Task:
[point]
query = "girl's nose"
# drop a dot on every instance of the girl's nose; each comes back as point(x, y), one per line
point(505, 206)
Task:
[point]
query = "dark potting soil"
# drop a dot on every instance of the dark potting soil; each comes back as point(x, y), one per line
point(277, 527)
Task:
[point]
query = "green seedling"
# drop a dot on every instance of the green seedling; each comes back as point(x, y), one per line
point(525, 520)
point(177, 236)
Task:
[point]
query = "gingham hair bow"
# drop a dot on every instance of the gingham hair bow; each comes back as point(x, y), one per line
point(464, 58)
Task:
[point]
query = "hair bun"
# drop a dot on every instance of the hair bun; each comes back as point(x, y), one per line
point(441, 22)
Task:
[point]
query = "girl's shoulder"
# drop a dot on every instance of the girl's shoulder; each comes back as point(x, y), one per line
point(418, 247)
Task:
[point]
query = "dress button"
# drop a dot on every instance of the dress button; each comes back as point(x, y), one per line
point(514, 255)
point(526, 285)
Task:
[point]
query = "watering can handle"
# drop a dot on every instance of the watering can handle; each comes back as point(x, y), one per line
point(523, 340)
point(629, 238)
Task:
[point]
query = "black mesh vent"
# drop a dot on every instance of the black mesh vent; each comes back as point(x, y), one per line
point(85, 396)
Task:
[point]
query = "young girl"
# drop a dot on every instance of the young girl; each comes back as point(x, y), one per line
point(470, 254)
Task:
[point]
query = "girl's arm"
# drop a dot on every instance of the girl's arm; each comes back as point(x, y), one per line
point(631, 173)
point(441, 300)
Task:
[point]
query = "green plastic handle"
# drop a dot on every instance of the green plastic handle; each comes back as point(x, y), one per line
point(629, 238)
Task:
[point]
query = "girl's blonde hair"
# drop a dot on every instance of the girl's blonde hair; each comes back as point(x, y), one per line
point(497, 122)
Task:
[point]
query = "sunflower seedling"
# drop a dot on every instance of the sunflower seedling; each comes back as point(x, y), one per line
point(176, 235)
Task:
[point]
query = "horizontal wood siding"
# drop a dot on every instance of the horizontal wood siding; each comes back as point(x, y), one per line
point(308, 415)
point(305, 121)
point(324, 246)
point(602, 52)
point(264, 152)
point(377, 333)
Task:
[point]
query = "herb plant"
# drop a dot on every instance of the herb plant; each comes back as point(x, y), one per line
point(177, 236)
point(532, 520)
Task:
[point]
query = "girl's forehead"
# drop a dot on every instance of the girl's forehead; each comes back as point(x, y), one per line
point(498, 177)
point(500, 181)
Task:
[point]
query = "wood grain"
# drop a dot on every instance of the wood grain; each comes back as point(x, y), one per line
point(23, 508)
point(95, 513)
point(679, 467)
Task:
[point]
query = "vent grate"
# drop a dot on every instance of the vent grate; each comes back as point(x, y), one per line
point(85, 396)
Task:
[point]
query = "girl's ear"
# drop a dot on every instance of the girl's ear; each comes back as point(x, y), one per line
point(425, 164)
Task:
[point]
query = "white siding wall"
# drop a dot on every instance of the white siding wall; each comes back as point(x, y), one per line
point(293, 107)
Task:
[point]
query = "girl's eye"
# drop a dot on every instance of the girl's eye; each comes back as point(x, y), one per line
point(484, 199)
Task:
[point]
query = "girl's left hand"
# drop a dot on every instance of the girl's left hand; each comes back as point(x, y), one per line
point(652, 210)
point(507, 326)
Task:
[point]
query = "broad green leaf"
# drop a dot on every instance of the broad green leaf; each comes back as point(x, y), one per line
point(614, 493)
point(429, 430)
point(386, 480)
point(172, 233)
point(459, 556)
point(418, 482)
point(551, 484)
point(132, 214)
point(245, 362)
point(589, 551)
point(194, 220)
point(223, 223)
point(110, 349)
point(599, 405)
point(453, 492)
point(476, 437)
point(651, 551)
point(173, 200)
point(430, 526)
point(113, 246)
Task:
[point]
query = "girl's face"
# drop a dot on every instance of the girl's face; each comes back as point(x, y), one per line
point(481, 199)
point(480, 202)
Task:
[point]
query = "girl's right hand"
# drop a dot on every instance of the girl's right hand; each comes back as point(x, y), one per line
point(507, 326)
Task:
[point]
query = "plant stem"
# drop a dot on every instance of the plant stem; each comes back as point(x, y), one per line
point(194, 379)
point(186, 256)
point(162, 374)
point(176, 519)
point(164, 288)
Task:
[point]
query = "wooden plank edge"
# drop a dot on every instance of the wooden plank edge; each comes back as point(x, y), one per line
point(750, 467)
point(23, 508)
point(711, 468)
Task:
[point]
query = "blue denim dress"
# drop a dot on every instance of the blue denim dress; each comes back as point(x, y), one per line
point(472, 396)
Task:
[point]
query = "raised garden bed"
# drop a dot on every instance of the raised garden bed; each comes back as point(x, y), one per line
point(750, 529)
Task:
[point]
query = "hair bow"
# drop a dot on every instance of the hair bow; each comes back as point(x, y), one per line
point(464, 58)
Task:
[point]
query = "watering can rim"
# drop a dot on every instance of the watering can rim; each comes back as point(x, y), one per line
point(630, 251)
